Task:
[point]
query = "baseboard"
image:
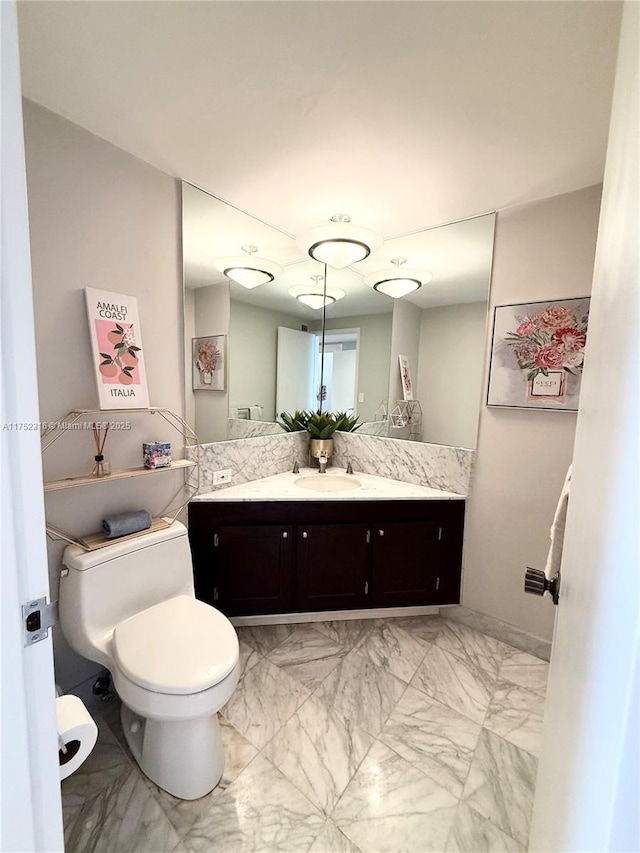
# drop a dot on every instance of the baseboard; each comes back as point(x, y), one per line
point(499, 630)
point(332, 615)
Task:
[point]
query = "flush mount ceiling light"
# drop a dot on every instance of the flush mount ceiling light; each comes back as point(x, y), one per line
point(248, 270)
point(315, 295)
point(339, 244)
point(397, 282)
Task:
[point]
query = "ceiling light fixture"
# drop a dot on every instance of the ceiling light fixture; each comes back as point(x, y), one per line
point(397, 282)
point(340, 243)
point(248, 270)
point(315, 295)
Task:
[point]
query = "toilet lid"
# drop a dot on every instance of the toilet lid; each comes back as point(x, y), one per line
point(178, 646)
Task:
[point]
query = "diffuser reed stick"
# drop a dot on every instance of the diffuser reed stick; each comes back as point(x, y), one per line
point(102, 467)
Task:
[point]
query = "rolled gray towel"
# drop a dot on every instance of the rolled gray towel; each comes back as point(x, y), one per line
point(125, 523)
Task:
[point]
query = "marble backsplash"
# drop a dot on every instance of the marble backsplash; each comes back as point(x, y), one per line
point(374, 428)
point(433, 465)
point(250, 458)
point(242, 428)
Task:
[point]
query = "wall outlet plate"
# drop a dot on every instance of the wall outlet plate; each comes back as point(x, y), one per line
point(223, 476)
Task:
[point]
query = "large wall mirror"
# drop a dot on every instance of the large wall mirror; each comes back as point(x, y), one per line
point(285, 347)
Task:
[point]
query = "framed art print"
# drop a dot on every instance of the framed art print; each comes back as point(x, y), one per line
point(405, 376)
point(537, 354)
point(209, 363)
point(116, 350)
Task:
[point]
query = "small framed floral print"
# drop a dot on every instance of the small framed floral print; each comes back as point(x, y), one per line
point(209, 363)
point(537, 354)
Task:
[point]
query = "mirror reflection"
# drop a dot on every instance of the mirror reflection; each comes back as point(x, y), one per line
point(281, 357)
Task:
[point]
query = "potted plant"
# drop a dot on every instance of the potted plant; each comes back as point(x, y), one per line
point(321, 426)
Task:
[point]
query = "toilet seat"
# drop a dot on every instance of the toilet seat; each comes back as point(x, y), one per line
point(180, 646)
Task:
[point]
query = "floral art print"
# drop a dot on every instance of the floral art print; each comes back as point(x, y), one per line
point(209, 363)
point(538, 354)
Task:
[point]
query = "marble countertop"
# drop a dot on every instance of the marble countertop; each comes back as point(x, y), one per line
point(341, 487)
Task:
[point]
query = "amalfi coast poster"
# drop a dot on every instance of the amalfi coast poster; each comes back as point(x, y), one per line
point(116, 350)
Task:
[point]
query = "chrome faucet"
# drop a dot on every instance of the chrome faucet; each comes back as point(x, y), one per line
point(322, 462)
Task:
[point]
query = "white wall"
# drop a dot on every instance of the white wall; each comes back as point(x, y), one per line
point(253, 346)
point(373, 358)
point(211, 308)
point(99, 218)
point(405, 340)
point(450, 370)
point(542, 251)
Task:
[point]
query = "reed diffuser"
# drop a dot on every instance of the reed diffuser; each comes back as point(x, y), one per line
point(102, 468)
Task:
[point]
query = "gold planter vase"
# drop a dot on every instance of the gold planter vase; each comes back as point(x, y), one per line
point(320, 447)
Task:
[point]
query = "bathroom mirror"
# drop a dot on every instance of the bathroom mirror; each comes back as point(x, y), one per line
point(274, 349)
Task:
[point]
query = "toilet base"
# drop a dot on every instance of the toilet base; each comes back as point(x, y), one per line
point(184, 758)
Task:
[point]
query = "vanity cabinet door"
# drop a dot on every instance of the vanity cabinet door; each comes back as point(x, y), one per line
point(253, 569)
point(415, 563)
point(332, 566)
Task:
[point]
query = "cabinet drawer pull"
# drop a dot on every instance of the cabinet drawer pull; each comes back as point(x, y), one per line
point(368, 536)
point(437, 583)
point(439, 534)
point(285, 535)
point(216, 540)
point(381, 532)
point(304, 534)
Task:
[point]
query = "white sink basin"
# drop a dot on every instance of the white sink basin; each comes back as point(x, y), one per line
point(328, 483)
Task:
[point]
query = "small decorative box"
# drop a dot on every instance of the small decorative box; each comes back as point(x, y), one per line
point(156, 454)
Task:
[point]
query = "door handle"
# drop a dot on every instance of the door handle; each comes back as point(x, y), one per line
point(537, 583)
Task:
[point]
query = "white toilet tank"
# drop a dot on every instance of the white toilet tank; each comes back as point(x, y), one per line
point(106, 586)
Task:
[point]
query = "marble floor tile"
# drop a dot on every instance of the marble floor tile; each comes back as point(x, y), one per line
point(389, 805)
point(248, 656)
point(501, 784)
point(525, 670)
point(391, 647)
point(308, 656)
point(434, 738)
point(516, 713)
point(473, 833)
point(263, 702)
point(456, 682)
point(508, 634)
point(183, 814)
point(423, 628)
point(319, 750)
point(415, 733)
point(264, 638)
point(347, 632)
point(107, 716)
point(332, 840)
point(363, 692)
point(106, 763)
point(261, 811)
point(125, 816)
point(469, 644)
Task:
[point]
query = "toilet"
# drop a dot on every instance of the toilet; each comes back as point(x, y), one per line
point(131, 606)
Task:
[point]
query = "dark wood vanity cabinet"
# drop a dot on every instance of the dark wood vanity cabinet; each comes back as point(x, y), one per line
point(255, 558)
point(332, 566)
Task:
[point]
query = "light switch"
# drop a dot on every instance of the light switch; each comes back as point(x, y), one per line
point(361, 397)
